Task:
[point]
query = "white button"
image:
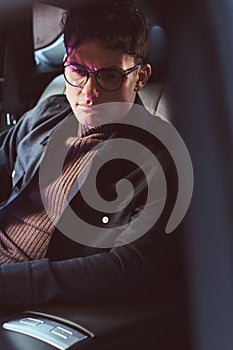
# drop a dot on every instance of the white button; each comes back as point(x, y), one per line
point(13, 173)
point(105, 219)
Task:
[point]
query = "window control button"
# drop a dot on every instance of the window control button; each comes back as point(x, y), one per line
point(31, 321)
point(61, 332)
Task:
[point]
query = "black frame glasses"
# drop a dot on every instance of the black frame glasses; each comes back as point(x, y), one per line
point(108, 79)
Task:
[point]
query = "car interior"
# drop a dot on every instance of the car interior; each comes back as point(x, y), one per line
point(191, 86)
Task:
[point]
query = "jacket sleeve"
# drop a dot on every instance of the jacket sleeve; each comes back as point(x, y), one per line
point(10, 139)
point(122, 274)
point(8, 151)
point(102, 276)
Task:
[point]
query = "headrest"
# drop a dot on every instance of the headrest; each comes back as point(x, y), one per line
point(157, 52)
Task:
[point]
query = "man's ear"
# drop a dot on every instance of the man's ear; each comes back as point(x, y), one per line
point(143, 76)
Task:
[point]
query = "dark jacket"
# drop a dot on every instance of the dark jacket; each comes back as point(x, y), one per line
point(119, 263)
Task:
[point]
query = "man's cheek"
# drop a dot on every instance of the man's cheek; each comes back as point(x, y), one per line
point(70, 94)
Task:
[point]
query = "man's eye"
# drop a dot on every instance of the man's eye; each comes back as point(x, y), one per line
point(81, 72)
point(78, 71)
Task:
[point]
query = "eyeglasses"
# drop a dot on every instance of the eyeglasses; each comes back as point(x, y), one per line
point(108, 79)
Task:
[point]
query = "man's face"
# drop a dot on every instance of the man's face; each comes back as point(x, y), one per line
point(91, 104)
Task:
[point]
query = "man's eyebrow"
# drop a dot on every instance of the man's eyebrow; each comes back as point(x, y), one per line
point(115, 67)
point(120, 69)
point(74, 63)
point(81, 65)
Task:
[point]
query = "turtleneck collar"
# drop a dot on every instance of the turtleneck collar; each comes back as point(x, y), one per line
point(106, 129)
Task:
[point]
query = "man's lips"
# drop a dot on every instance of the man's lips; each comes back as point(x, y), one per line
point(88, 109)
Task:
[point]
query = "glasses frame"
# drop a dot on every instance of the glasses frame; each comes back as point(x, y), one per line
point(96, 74)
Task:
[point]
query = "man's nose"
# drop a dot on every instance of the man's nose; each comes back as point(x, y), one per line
point(90, 89)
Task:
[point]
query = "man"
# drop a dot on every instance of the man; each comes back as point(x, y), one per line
point(54, 246)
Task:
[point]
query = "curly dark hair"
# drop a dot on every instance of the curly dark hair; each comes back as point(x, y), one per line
point(117, 23)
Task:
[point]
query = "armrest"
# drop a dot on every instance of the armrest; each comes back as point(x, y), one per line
point(143, 324)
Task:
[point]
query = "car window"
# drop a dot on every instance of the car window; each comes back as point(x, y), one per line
point(46, 24)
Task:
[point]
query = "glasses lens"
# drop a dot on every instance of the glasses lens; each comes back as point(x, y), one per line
point(109, 79)
point(76, 75)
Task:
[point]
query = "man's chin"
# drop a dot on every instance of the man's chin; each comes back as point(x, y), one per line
point(102, 114)
point(90, 120)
